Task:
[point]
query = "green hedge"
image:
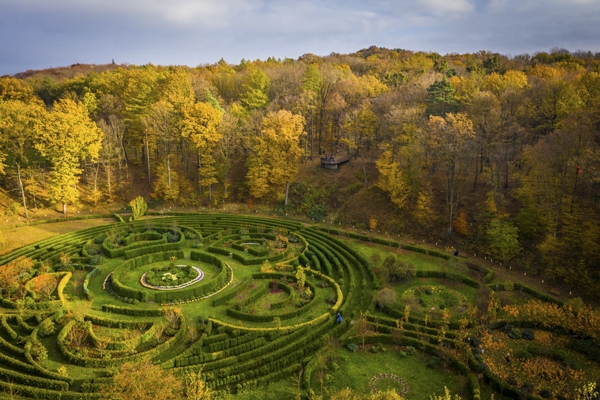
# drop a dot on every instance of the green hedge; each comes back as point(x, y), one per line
point(231, 294)
point(138, 312)
point(8, 329)
point(126, 291)
point(198, 290)
point(31, 380)
point(447, 275)
point(117, 323)
point(107, 363)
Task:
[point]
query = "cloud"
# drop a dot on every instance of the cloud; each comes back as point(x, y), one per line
point(39, 34)
point(445, 7)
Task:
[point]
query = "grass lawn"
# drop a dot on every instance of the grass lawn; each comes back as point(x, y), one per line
point(23, 236)
point(356, 370)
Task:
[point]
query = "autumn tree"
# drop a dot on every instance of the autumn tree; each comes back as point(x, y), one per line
point(195, 388)
point(113, 152)
point(199, 124)
point(446, 396)
point(14, 275)
point(138, 93)
point(255, 89)
point(66, 135)
point(384, 297)
point(17, 136)
point(229, 128)
point(451, 139)
point(275, 153)
point(142, 381)
point(44, 284)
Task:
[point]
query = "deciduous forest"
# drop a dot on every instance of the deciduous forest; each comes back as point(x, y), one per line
point(495, 155)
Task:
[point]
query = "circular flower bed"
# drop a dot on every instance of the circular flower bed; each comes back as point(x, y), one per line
point(397, 380)
point(169, 276)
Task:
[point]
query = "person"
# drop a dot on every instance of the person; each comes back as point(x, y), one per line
point(338, 318)
point(455, 252)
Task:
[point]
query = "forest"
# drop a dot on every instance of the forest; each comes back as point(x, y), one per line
point(496, 155)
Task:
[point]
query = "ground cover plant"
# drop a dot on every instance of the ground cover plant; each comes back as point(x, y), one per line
point(280, 305)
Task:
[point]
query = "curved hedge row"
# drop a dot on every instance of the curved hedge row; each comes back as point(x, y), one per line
point(138, 294)
point(198, 290)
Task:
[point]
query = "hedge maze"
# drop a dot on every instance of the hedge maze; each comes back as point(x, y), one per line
point(265, 306)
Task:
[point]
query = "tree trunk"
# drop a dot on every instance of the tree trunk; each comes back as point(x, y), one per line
point(199, 175)
point(287, 191)
point(22, 190)
point(64, 209)
point(362, 158)
point(148, 160)
point(168, 170)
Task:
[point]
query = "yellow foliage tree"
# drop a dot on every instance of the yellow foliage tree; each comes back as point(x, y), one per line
point(199, 124)
point(451, 138)
point(66, 135)
point(392, 180)
point(275, 153)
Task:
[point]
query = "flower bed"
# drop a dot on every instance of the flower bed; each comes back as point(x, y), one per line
point(183, 285)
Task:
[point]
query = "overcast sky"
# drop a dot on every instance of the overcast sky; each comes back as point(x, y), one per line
point(37, 34)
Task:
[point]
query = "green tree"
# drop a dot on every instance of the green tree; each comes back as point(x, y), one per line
point(440, 98)
point(138, 207)
point(255, 89)
point(503, 239)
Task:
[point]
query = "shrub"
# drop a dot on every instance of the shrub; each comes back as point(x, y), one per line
point(573, 364)
point(352, 347)
point(433, 362)
point(488, 277)
point(523, 354)
point(515, 333)
point(528, 334)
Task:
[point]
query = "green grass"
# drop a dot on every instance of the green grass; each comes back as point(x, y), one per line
point(356, 370)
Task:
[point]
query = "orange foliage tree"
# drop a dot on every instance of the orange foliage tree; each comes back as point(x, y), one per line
point(14, 275)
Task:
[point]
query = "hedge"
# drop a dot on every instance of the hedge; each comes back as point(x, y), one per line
point(242, 285)
point(320, 319)
point(17, 351)
point(110, 308)
point(126, 291)
point(447, 275)
point(270, 317)
point(61, 286)
point(38, 370)
point(32, 380)
point(116, 323)
point(106, 363)
point(8, 329)
point(197, 290)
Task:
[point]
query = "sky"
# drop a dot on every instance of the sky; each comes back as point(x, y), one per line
point(38, 34)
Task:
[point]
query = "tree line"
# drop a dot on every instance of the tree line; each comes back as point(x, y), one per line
point(499, 153)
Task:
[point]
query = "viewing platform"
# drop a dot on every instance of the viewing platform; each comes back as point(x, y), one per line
point(332, 162)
